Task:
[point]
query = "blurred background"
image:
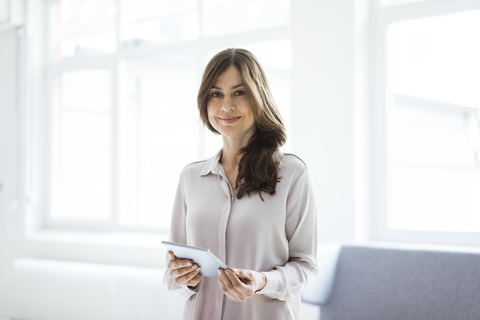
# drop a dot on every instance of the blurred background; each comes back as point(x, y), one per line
point(98, 116)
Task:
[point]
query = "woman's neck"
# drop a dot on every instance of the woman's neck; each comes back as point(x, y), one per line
point(230, 158)
point(229, 161)
point(231, 152)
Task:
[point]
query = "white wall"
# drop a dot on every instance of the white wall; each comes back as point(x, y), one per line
point(10, 219)
point(323, 108)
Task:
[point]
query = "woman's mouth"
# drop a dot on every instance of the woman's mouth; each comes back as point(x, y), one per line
point(229, 119)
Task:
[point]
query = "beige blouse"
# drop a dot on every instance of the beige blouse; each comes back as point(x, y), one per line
point(276, 236)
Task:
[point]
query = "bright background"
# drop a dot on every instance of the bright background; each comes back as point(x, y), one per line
point(98, 116)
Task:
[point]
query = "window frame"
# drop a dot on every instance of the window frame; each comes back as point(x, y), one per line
point(383, 16)
point(83, 240)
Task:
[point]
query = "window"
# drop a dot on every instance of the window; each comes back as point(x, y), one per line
point(124, 121)
point(82, 136)
point(432, 116)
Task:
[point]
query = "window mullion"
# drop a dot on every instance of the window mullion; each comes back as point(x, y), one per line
point(115, 123)
point(115, 142)
point(379, 119)
point(200, 58)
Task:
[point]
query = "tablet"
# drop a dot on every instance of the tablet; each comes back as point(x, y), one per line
point(208, 262)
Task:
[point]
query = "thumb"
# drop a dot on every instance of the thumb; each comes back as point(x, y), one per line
point(241, 273)
point(171, 256)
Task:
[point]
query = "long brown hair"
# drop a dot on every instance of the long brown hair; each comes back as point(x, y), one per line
point(257, 170)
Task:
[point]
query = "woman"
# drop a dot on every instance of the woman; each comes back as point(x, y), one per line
point(253, 207)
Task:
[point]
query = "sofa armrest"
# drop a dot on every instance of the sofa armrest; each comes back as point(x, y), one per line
point(319, 291)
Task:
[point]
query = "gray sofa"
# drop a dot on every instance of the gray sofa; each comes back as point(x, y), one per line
point(390, 282)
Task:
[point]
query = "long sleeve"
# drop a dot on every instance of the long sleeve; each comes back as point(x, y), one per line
point(286, 282)
point(178, 234)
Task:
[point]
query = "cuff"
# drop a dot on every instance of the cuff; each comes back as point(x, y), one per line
point(270, 287)
point(192, 291)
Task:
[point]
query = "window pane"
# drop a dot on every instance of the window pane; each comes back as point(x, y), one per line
point(434, 123)
point(228, 17)
point(4, 11)
point(160, 134)
point(436, 58)
point(435, 199)
point(82, 145)
point(149, 22)
point(83, 27)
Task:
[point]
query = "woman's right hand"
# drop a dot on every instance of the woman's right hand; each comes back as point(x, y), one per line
point(183, 271)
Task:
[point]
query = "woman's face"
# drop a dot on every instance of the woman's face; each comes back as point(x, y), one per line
point(229, 108)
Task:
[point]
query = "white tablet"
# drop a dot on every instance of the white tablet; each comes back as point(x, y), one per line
point(208, 262)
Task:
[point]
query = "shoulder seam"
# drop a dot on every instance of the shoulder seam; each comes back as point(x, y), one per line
point(291, 154)
point(194, 163)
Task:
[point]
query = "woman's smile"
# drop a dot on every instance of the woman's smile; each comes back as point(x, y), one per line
point(229, 119)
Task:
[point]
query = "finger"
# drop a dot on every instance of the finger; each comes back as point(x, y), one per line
point(171, 256)
point(180, 272)
point(180, 263)
point(222, 280)
point(237, 284)
point(232, 284)
point(241, 273)
point(192, 273)
point(195, 280)
point(186, 278)
point(191, 278)
point(244, 276)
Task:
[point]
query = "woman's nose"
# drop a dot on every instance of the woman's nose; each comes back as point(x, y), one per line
point(228, 104)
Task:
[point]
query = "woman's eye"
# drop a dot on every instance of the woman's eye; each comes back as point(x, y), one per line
point(215, 94)
point(240, 93)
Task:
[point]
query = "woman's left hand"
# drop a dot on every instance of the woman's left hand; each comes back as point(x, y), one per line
point(240, 284)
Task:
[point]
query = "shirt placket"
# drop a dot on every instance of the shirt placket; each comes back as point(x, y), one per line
point(222, 233)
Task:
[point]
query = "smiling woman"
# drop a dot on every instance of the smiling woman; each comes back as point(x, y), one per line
point(251, 205)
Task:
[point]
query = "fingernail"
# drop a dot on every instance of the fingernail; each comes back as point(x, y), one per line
point(227, 272)
point(235, 270)
point(189, 263)
point(219, 272)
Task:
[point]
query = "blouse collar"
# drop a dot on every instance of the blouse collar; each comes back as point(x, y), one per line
point(213, 165)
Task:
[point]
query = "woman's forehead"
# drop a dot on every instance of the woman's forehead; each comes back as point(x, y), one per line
point(229, 78)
